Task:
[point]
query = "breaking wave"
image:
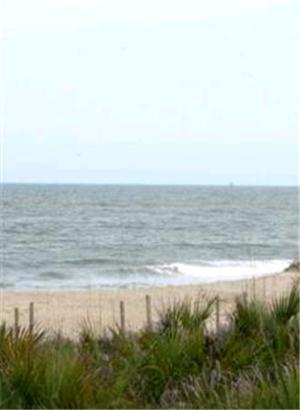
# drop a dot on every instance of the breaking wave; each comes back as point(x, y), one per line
point(224, 270)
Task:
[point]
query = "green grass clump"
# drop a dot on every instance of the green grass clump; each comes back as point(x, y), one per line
point(253, 362)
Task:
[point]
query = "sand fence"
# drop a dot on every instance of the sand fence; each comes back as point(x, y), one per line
point(129, 309)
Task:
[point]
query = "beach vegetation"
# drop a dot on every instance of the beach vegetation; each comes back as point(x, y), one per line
point(252, 361)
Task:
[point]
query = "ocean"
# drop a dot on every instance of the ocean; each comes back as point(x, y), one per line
point(107, 236)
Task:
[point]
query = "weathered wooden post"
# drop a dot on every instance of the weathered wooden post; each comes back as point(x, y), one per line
point(113, 312)
point(245, 298)
point(218, 314)
point(264, 289)
point(148, 312)
point(274, 287)
point(254, 287)
point(122, 316)
point(31, 317)
point(100, 317)
point(16, 325)
point(246, 285)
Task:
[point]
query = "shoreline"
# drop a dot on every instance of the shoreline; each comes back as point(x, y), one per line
point(108, 289)
point(293, 266)
point(65, 310)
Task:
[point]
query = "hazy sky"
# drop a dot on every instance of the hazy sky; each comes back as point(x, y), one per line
point(149, 91)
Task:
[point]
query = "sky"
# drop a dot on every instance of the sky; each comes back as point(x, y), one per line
point(149, 92)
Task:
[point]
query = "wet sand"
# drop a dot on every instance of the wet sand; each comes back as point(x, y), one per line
point(65, 311)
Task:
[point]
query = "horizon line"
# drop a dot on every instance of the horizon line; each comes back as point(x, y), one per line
point(229, 184)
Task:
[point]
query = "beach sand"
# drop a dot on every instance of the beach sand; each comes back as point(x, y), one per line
point(65, 310)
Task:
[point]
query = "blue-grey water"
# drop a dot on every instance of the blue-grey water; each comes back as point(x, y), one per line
point(57, 236)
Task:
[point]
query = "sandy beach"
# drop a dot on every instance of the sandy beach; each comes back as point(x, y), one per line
point(64, 311)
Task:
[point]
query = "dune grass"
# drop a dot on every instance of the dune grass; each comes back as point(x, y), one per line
point(253, 362)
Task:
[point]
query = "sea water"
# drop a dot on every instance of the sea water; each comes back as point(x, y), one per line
point(79, 236)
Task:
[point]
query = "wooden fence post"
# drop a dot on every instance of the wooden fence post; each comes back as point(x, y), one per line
point(264, 289)
point(113, 311)
point(31, 317)
point(16, 314)
point(274, 287)
point(122, 316)
point(100, 317)
point(245, 298)
point(254, 287)
point(148, 312)
point(218, 314)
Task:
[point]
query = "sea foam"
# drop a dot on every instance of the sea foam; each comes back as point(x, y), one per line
point(223, 270)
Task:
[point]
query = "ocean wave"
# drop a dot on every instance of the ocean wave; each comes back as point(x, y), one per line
point(87, 261)
point(6, 285)
point(222, 270)
point(53, 275)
